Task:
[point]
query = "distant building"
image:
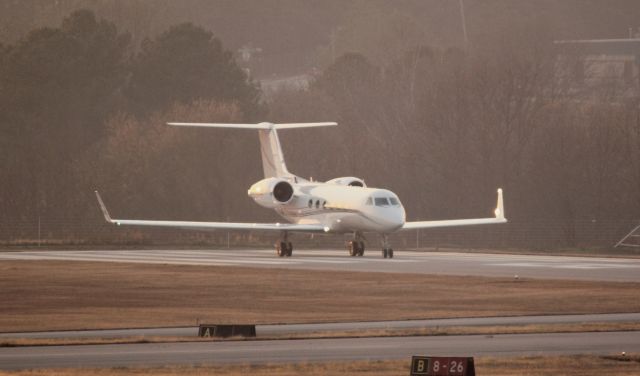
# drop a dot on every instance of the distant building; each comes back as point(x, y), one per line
point(247, 52)
point(292, 83)
point(600, 63)
point(248, 57)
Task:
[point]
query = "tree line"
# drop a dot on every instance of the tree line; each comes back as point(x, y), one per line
point(445, 128)
point(62, 91)
point(82, 110)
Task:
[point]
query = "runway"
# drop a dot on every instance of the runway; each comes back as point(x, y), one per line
point(257, 352)
point(380, 348)
point(302, 329)
point(451, 263)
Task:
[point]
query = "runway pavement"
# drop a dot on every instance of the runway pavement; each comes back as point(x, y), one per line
point(477, 264)
point(262, 351)
point(302, 329)
point(257, 352)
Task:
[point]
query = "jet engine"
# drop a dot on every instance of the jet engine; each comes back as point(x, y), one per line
point(271, 192)
point(349, 180)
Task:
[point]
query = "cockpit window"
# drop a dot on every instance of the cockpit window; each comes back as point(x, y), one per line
point(369, 201)
point(394, 201)
point(381, 201)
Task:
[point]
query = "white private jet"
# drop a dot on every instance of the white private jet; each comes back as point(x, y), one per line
point(342, 205)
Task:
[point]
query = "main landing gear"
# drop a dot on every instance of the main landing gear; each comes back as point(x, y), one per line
point(356, 246)
point(387, 251)
point(284, 248)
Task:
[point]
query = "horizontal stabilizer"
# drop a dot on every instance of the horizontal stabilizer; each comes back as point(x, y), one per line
point(273, 163)
point(256, 126)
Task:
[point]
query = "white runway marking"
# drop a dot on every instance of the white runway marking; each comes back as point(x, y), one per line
point(183, 258)
point(565, 265)
point(494, 265)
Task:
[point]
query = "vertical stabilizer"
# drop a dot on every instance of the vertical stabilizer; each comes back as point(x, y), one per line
point(272, 157)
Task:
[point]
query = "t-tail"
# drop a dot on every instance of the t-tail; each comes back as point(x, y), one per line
point(273, 162)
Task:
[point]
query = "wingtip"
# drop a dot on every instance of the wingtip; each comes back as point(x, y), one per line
point(499, 212)
point(103, 208)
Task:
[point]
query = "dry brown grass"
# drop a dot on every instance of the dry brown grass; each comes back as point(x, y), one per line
point(579, 365)
point(48, 295)
point(24, 342)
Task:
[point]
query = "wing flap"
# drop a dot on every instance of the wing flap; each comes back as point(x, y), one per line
point(194, 225)
point(452, 223)
point(191, 225)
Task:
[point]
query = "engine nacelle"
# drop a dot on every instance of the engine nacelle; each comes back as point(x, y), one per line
point(271, 192)
point(349, 180)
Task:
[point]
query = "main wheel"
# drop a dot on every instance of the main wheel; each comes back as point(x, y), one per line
point(360, 249)
point(353, 248)
point(384, 253)
point(390, 253)
point(281, 249)
point(289, 249)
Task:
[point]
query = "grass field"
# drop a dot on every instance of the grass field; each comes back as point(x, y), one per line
point(47, 295)
point(580, 365)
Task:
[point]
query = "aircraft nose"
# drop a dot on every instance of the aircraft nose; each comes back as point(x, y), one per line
point(395, 218)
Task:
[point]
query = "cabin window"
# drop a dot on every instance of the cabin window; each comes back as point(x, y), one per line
point(318, 204)
point(369, 201)
point(381, 201)
point(394, 201)
point(324, 204)
point(310, 203)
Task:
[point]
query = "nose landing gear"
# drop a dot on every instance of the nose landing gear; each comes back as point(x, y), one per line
point(284, 248)
point(387, 251)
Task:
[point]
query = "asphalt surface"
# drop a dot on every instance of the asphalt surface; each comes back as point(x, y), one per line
point(296, 351)
point(477, 264)
point(301, 329)
point(261, 351)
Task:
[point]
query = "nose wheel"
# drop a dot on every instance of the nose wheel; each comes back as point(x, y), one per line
point(284, 248)
point(387, 251)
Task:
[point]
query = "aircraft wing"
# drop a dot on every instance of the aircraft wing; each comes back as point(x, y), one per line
point(499, 218)
point(210, 225)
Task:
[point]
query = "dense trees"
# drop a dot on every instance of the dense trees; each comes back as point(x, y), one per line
point(83, 106)
point(296, 36)
point(62, 88)
point(187, 63)
point(149, 169)
point(445, 128)
point(58, 86)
